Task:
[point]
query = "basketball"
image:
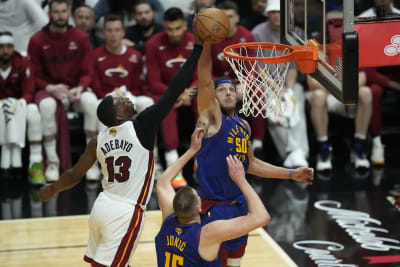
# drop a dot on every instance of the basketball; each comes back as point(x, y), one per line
point(212, 25)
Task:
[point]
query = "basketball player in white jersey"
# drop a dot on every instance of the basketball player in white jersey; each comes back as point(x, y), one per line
point(125, 153)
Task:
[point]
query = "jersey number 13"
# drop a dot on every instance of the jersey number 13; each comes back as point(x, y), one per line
point(124, 163)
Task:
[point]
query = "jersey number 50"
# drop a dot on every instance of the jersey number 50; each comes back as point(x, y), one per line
point(124, 163)
point(176, 260)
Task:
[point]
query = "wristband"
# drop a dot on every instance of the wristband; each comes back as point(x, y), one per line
point(291, 173)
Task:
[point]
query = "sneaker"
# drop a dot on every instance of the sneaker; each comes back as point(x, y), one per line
point(358, 156)
point(52, 173)
point(93, 174)
point(378, 151)
point(324, 157)
point(36, 174)
point(295, 159)
point(179, 181)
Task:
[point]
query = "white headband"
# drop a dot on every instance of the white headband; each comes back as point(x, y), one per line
point(6, 39)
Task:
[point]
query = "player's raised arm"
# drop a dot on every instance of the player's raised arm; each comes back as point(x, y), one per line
point(206, 95)
point(73, 176)
point(165, 191)
point(218, 231)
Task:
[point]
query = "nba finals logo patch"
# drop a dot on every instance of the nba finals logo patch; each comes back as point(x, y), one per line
point(178, 230)
point(113, 132)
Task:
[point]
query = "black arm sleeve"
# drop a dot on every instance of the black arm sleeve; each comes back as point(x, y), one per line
point(147, 122)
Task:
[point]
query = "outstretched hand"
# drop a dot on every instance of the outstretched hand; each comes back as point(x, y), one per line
point(303, 174)
point(236, 169)
point(197, 136)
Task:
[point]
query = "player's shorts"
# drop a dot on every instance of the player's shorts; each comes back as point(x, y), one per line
point(114, 231)
point(232, 249)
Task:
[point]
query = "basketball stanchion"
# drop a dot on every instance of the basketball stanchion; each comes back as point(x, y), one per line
point(261, 69)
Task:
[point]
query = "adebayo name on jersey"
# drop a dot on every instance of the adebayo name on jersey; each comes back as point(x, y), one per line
point(116, 144)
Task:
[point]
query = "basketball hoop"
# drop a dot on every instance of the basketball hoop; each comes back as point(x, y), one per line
point(261, 69)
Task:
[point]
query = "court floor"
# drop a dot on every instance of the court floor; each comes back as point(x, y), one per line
point(61, 241)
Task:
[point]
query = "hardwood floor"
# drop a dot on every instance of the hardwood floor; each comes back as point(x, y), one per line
point(61, 241)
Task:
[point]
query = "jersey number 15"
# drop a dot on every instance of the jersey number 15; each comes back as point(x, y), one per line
point(175, 262)
point(124, 163)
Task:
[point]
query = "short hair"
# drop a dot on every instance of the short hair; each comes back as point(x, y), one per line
point(173, 14)
point(226, 5)
point(113, 17)
point(58, 2)
point(106, 111)
point(141, 2)
point(84, 5)
point(185, 203)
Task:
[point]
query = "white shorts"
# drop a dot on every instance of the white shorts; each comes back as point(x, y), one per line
point(114, 231)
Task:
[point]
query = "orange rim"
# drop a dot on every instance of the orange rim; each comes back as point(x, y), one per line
point(306, 56)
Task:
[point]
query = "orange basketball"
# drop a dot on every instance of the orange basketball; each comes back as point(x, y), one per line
point(212, 25)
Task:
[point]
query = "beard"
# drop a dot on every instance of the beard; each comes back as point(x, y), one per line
point(5, 59)
point(60, 23)
point(147, 26)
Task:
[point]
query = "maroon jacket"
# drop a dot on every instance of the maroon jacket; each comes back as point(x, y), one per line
point(60, 58)
point(111, 71)
point(19, 82)
point(163, 60)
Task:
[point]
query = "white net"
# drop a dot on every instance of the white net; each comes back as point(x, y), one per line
point(262, 83)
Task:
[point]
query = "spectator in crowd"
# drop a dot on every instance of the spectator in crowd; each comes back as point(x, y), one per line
point(165, 52)
point(60, 58)
point(145, 27)
point(289, 131)
point(84, 20)
point(378, 82)
point(244, 7)
point(125, 8)
point(17, 88)
point(256, 16)
point(197, 6)
point(321, 103)
point(23, 18)
point(381, 8)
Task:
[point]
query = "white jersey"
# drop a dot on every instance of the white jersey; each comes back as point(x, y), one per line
point(126, 165)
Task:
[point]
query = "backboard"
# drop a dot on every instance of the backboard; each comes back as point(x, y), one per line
point(337, 70)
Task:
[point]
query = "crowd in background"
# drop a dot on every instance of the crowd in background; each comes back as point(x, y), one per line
point(63, 56)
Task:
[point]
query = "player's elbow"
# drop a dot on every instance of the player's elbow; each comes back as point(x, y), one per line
point(263, 218)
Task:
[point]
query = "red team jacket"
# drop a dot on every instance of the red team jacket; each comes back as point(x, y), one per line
point(60, 58)
point(163, 60)
point(221, 67)
point(19, 83)
point(111, 71)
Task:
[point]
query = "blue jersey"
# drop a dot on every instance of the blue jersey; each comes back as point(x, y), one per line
point(232, 138)
point(177, 245)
